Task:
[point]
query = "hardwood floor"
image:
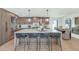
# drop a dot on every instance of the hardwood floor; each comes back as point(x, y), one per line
point(67, 45)
point(70, 45)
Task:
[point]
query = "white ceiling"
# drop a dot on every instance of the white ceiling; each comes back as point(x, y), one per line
point(52, 12)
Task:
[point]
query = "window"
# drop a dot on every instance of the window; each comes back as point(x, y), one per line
point(68, 23)
point(54, 24)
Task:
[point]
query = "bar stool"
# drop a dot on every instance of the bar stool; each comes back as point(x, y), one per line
point(33, 35)
point(45, 35)
point(22, 36)
point(25, 37)
point(57, 37)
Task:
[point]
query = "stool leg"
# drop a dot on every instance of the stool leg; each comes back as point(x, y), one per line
point(47, 41)
point(15, 45)
point(28, 44)
point(59, 42)
point(24, 43)
point(50, 44)
point(19, 41)
point(27, 41)
point(56, 40)
point(37, 44)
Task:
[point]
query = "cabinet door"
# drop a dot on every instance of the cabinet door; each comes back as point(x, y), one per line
point(0, 28)
point(4, 27)
point(18, 21)
point(8, 27)
point(23, 20)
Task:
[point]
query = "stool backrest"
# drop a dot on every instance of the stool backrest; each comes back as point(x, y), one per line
point(33, 35)
point(21, 35)
point(56, 35)
point(44, 34)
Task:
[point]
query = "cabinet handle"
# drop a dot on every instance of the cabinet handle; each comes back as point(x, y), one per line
point(6, 27)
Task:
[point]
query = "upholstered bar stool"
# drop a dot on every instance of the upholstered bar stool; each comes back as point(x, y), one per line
point(57, 37)
point(47, 37)
point(22, 37)
point(25, 37)
point(33, 35)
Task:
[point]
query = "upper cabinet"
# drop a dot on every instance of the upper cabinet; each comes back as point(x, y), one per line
point(45, 21)
point(23, 20)
point(35, 20)
point(26, 20)
point(77, 20)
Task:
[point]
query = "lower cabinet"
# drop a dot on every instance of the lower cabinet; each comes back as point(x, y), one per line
point(0, 29)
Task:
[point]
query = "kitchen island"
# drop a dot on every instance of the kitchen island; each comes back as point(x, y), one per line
point(28, 31)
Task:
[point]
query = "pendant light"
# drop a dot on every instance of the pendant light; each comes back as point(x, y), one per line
point(29, 19)
point(47, 15)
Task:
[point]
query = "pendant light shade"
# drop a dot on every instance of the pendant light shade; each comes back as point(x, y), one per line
point(29, 19)
point(47, 12)
point(47, 15)
point(47, 19)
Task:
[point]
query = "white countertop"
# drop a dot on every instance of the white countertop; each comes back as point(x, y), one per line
point(37, 31)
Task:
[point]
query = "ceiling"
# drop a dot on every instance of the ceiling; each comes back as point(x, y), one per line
point(41, 12)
